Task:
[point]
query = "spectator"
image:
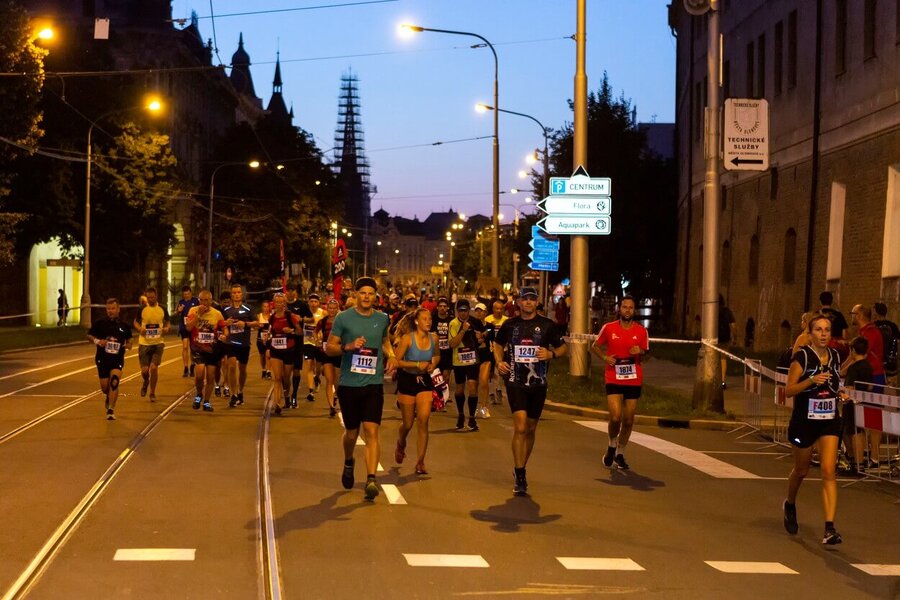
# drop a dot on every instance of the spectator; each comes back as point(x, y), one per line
point(428, 303)
point(727, 333)
point(62, 308)
point(838, 322)
point(856, 370)
point(512, 306)
point(803, 338)
point(561, 314)
point(749, 333)
point(890, 335)
point(862, 318)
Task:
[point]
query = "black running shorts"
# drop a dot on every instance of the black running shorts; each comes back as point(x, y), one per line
point(413, 385)
point(461, 374)
point(288, 356)
point(530, 399)
point(106, 365)
point(361, 404)
point(630, 392)
point(241, 353)
point(803, 433)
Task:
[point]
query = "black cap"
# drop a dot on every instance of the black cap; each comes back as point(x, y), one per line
point(365, 281)
point(313, 297)
point(528, 291)
point(443, 299)
point(462, 304)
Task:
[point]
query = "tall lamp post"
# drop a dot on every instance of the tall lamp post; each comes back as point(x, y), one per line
point(254, 164)
point(153, 105)
point(495, 218)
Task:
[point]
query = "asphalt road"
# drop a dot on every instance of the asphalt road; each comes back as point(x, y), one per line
point(90, 508)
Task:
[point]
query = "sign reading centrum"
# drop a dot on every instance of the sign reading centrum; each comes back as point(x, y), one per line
point(746, 134)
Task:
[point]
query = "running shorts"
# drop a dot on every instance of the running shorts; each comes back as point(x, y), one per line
point(803, 433)
point(530, 399)
point(361, 404)
point(210, 359)
point(409, 384)
point(461, 374)
point(150, 354)
point(241, 353)
point(107, 365)
point(324, 359)
point(288, 356)
point(630, 392)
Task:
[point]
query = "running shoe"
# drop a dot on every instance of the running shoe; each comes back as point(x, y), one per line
point(332, 411)
point(110, 415)
point(262, 375)
point(292, 401)
point(521, 485)
point(460, 421)
point(144, 387)
point(240, 398)
point(347, 475)
point(473, 424)
point(152, 397)
point(310, 397)
point(226, 392)
point(107, 402)
point(197, 401)
point(420, 469)
point(399, 453)
point(185, 373)
point(831, 537)
point(277, 411)
point(371, 489)
point(233, 402)
point(790, 518)
point(620, 462)
point(609, 456)
point(207, 407)
point(316, 381)
point(218, 391)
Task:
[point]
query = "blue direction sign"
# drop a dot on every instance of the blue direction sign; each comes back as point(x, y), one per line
point(544, 266)
point(541, 255)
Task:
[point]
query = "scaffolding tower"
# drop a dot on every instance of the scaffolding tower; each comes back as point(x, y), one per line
point(350, 163)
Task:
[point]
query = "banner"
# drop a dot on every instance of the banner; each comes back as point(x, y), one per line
point(338, 262)
point(283, 267)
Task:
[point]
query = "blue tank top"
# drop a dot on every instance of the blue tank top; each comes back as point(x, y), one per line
point(414, 354)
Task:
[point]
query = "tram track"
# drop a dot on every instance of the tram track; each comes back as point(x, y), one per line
point(269, 560)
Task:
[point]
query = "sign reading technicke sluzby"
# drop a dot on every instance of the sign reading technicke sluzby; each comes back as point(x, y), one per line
point(746, 134)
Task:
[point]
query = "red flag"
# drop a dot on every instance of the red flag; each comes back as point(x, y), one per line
point(338, 262)
point(283, 267)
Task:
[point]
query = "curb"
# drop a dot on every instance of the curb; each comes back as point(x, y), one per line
point(66, 344)
point(702, 424)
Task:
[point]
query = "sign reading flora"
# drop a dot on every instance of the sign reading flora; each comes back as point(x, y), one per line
point(746, 134)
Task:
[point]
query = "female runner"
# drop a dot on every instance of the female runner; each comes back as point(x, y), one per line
point(282, 327)
point(331, 365)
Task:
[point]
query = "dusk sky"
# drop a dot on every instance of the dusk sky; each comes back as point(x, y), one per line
point(422, 89)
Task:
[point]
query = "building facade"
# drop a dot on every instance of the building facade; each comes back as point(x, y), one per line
point(826, 215)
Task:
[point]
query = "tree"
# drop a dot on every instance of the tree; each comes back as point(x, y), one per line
point(638, 256)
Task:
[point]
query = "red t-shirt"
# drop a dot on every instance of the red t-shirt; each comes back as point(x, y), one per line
point(279, 340)
point(876, 347)
point(618, 342)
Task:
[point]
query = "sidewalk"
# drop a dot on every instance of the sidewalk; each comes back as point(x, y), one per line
point(28, 338)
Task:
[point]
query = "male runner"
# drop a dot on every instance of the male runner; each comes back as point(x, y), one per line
point(361, 334)
point(626, 344)
point(310, 365)
point(465, 335)
point(298, 307)
point(239, 320)
point(523, 348)
point(112, 338)
point(206, 325)
point(440, 324)
point(152, 323)
point(492, 323)
point(184, 306)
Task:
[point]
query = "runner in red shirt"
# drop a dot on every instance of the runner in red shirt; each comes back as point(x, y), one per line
point(626, 345)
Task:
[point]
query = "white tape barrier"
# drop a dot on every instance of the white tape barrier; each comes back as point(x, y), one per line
point(53, 311)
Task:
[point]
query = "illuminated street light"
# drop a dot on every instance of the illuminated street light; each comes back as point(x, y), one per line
point(253, 164)
point(523, 174)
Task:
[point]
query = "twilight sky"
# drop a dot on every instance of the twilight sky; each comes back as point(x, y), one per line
point(422, 89)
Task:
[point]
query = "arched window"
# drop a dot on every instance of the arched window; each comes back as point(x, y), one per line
point(753, 269)
point(790, 255)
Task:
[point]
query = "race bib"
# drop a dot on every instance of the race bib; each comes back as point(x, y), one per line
point(206, 337)
point(324, 346)
point(112, 347)
point(279, 342)
point(363, 361)
point(821, 409)
point(525, 354)
point(264, 336)
point(444, 344)
point(309, 334)
point(625, 369)
point(235, 328)
point(151, 332)
point(467, 356)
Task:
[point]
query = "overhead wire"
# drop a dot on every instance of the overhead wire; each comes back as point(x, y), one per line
point(284, 10)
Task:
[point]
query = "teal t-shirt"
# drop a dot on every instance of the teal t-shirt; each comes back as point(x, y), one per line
point(366, 365)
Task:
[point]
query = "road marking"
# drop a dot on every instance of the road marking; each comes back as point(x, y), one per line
point(142, 554)
point(577, 563)
point(360, 441)
point(393, 493)
point(474, 561)
point(51, 396)
point(879, 570)
point(737, 566)
point(697, 460)
point(380, 469)
point(776, 454)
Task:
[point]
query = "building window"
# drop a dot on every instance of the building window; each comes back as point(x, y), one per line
point(869, 29)
point(761, 66)
point(778, 55)
point(792, 50)
point(836, 232)
point(790, 256)
point(725, 274)
point(840, 36)
point(751, 77)
point(753, 271)
point(890, 259)
point(773, 183)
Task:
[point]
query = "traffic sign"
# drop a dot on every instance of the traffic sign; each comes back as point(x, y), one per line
point(541, 255)
point(576, 224)
point(575, 205)
point(580, 184)
point(544, 266)
point(746, 134)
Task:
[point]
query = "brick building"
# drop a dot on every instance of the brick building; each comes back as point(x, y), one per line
point(826, 215)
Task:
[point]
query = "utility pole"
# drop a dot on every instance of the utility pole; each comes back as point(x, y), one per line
point(579, 357)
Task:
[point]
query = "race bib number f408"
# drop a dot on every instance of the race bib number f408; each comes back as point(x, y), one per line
point(821, 409)
point(363, 361)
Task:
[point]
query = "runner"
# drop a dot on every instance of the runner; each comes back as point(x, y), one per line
point(440, 324)
point(310, 364)
point(493, 322)
point(112, 338)
point(283, 325)
point(239, 319)
point(330, 364)
point(262, 338)
point(465, 336)
point(207, 327)
point(627, 344)
point(523, 349)
point(485, 352)
point(184, 306)
point(814, 384)
point(300, 309)
point(361, 335)
point(420, 356)
point(224, 301)
point(152, 323)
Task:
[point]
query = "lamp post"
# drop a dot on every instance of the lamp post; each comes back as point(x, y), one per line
point(212, 198)
point(153, 105)
point(495, 219)
point(484, 107)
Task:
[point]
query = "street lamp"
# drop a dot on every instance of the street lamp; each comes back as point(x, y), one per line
point(544, 130)
point(153, 105)
point(253, 164)
point(495, 239)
